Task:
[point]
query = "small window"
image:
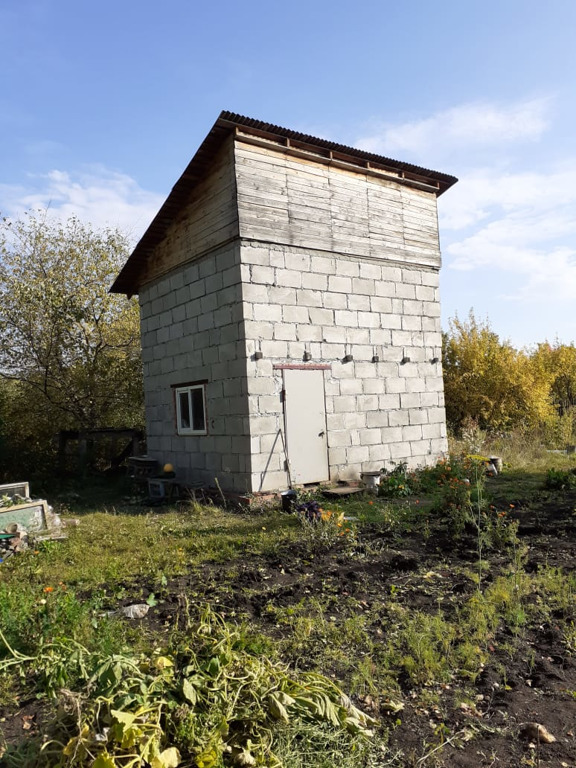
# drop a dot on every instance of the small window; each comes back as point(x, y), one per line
point(191, 410)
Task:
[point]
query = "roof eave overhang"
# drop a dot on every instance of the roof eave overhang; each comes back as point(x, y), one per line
point(284, 140)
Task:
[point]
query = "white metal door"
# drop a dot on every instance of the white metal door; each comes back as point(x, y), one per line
point(305, 419)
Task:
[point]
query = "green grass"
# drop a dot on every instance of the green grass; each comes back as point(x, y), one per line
point(57, 616)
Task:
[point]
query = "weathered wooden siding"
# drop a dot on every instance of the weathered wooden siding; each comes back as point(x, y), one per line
point(295, 201)
point(209, 219)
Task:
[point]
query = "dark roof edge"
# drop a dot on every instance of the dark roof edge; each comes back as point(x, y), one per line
point(234, 120)
point(225, 125)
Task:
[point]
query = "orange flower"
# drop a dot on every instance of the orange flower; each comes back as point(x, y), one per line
point(511, 506)
point(370, 502)
point(48, 589)
point(417, 501)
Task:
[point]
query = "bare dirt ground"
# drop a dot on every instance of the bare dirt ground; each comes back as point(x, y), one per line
point(529, 677)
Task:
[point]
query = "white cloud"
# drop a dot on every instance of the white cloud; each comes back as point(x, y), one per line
point(481, 193)
point(466, 126)
point(99, 196)
point(522, 224)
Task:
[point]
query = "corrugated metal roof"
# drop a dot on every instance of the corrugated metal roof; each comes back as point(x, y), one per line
point(227, 123)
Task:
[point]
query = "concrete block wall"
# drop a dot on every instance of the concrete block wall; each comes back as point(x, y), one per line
point(192, 330)
point(297, 301)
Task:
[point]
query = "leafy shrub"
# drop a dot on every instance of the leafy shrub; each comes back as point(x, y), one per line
point(398, 482)
point(560, 479)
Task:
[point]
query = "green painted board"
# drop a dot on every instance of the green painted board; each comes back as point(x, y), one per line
point(32, 516)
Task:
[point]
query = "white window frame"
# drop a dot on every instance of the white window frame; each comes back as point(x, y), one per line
point(178, 391)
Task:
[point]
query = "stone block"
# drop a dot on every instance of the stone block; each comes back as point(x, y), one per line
point(373, 386)
point(176, 281)
point(336, 456)
point(350, 386)
point(335, 300)
point(357, 454)
point(338, 284)
point(399, 451)
point(392, 434)
point(254, 293)
point(339, 439)
point(401, 339)
point(381, 304)
point(307, 332)
point(377, 419)
point(355, 420)
point(347, 268)
point(430, 308)
point(334, 422)
point(205, 322)
point(285, 332)
point(370, 437)
point(385, 289)
point(258, 330)
point(336, 352)
point(370, 271)
point(379, 454)
point(410, 400)
point(230, 276)
point(413, 276)
point(416, 384)
point(429, 399)
point(262, 275)
point(410, 307)
point(278, 259)
point(270, 481)
point(398, 418)
point(438, 446)
point(425, 293)
point(363, 287)
point(255, 255)
point(430, 431)
point(411, 323)
point(214, 283)
point(430, 277)
point(314, 282)
point(367, 402)
point(264, 425)
point(269, 404)
point(274, 349)
point(368, 320)
point(268, 312)
point(281, 295)
point(344, 404)
point(323, 265)
point(364, 369)
point(358, 302)
point(308, 298)
point(418, 416)
point(292, 314)
point(436, 416)
point(346, 318)
point(288, 278)
point(391, 274)
point(358, 337)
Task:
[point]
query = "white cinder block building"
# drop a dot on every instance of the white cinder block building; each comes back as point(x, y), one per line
point(290, 312)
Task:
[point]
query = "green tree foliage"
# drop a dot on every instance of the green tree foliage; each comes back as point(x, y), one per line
point(559, 363)
point(69, 350)
point(490, 382)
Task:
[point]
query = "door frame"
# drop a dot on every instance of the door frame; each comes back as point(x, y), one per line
point(283, 367)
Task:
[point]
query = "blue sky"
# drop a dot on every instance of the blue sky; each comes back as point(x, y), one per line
point(103, 104)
